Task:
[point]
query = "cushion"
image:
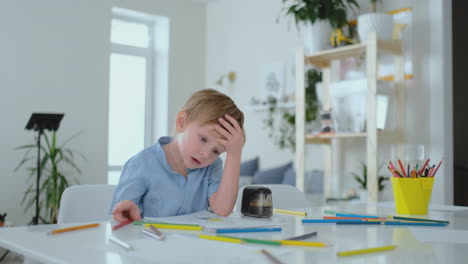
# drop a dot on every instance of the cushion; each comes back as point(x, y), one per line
point(271, 176)
point(289, 177)
point(249, 167)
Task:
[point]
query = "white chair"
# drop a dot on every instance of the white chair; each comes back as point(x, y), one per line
point(284, 196)
point(86, 203)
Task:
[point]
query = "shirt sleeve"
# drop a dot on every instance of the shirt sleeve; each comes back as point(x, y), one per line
point(216, 173)
point(132, 184)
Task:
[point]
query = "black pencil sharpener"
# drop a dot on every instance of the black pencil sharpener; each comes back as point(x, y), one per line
point(257, 202)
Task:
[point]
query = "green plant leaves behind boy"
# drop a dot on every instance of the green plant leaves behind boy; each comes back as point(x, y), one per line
point(362, 178)
point(57, 167)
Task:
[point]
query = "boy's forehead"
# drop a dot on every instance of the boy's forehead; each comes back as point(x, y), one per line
point(211, 128)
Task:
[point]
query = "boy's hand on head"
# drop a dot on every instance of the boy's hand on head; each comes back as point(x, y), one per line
point(125, 210)
point(233, 134)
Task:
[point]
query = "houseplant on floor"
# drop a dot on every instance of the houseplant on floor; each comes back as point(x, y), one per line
point(55, 160)
point(317, 18)
point(362, 180)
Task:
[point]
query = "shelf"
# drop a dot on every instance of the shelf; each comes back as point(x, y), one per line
point(383, 135)
point(264, 107)
point(323, 58)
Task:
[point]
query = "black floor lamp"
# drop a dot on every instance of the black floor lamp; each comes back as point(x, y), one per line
point(39, 122)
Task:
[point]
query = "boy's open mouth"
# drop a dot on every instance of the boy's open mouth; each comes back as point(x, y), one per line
point(196, 161)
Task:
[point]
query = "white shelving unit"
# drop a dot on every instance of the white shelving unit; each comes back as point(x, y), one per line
point(371, 48)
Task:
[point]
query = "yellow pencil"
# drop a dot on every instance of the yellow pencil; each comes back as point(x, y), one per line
point(73, 228)
point(365, 251)
point(223, 239)
point(289, 212)
point(301, 243)
point(183, 227)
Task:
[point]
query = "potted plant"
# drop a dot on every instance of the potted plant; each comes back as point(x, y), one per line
point(284, 132)
point(54, 179)
point(381, 23)
point(317, 18)
point(362, 180)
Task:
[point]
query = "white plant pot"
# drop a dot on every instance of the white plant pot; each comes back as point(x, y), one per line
point(380, 23)
point(316, 37)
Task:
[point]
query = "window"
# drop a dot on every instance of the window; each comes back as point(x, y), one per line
point(137, 85)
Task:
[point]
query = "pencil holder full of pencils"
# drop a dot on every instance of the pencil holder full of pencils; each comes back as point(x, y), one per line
point(412, 195)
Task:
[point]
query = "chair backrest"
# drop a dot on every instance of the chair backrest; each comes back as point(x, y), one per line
point(85, 203)
point(284, 196)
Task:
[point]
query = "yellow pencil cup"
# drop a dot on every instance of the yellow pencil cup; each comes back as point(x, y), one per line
point(412, 195)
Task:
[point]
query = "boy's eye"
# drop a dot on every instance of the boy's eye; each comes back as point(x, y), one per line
point(216, 152)
point(203, 139)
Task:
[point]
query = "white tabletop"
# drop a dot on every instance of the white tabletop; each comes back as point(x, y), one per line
point(93, 246)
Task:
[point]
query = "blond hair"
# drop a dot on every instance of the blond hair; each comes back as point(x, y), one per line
point(208, 105)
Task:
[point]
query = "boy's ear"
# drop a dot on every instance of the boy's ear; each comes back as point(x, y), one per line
point(180, 120)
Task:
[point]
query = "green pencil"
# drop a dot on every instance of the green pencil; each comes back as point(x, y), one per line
point(257, 241)
point(419, 219)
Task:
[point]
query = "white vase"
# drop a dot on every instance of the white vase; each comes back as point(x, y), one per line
point(316, 36)
point(380, 23)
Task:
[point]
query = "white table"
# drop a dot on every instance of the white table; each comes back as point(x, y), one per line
point(92, 245)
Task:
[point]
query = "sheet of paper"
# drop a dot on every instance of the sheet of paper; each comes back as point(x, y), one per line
point(440, 235)
point(211, 220)
point(191, 249)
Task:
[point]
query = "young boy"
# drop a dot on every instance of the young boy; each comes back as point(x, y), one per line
point(184, 174)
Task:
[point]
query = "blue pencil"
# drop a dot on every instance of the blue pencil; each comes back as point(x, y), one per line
point(245, 230)
point(359, 223)
point(356, 215)
point(330, 220)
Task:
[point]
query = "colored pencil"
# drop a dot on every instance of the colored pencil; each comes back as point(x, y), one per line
point(437, 168)
point(318, 221)
point(222, 239)
point(402, 168)
point(247, 230)
point(118, 226)
point(289, 212)
point(73, 228)
point(359, 223)
point(327, 211)
point(413, 223)
point(302, 237)
point(182, 227)
point(365, 251)
point(301, 243)
point(423, 167)
point(159, 223)
point(356, 215)
point(418, 219)
point(260, 241)
point(271, 257)
point(343, 217)
point(120, 242)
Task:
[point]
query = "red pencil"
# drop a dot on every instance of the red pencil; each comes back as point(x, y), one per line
point(122, 224)
point(423, 167)
point(437, 168)
point(402, 168)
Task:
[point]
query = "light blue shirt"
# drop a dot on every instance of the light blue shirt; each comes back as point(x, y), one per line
point(148, 180)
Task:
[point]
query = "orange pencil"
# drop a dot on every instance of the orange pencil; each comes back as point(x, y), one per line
point(73, 228)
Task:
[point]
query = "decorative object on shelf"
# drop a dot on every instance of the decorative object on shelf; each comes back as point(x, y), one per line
point(362, 180)
point(2, 219)
point(283, 131)
point(317, 18)
point(225, 79)
point(326, 122)
point(381, 23)
point(273, 80)
point(53, 179)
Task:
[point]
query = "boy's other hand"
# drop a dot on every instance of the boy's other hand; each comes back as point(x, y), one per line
point(125, 210)
point(233, 133)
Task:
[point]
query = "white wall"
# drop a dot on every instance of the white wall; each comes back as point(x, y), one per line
point(54, 57)
point(243, 36)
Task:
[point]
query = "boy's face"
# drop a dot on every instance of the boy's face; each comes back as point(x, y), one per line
point(198, 145)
